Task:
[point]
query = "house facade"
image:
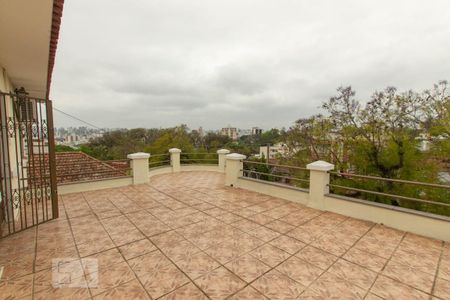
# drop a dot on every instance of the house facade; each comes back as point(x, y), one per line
point(28, 187)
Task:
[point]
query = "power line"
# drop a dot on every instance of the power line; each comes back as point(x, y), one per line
point(75, 118)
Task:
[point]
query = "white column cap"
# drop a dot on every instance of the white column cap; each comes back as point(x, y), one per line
point(235, 156)
point(174, 150)
point(320, 165)
point(223, 151)
point(138, 155)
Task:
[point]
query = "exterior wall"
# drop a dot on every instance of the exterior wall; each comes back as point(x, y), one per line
point(93, 185)
point(274, 189)
point(214, 168)
point(231, 132)
point(416, 222)
point(5, 83)
point(274, 151)
point(184, 168)
point(159, 171)
point(403, 219)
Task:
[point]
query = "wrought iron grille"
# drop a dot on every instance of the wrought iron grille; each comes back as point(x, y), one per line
point(28, 193)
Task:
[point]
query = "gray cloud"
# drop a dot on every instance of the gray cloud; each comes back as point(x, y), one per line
point(247, 63)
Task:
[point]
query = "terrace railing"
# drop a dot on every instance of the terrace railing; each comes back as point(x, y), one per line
point(421, 196)
point(284, 174)
point(159, 160)
point(198, 158)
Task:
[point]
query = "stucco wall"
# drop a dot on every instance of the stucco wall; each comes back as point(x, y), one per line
point(5, 83)
point(93, 185)
point(433, 226)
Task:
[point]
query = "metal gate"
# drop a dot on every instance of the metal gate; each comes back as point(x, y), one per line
point(28, 173)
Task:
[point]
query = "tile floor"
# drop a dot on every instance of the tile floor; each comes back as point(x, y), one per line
point(186, 236)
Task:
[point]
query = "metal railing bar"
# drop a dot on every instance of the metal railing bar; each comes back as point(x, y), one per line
point(158, 162)
point(82, 163)
point(159, 155)
point(391, 180)
point(279, 176)
point(389, 195)
point(91, 173)
point(275, 165)
point(193, 159)
point(94, 179)
point(199, 153)
point(28, 97)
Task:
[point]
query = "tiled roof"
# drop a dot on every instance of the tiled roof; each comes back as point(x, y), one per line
point(75, 167)
point(78, 166)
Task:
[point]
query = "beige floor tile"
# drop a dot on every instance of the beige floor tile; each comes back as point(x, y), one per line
point(163, 280)
point(442, 289)
point(300, 270)
point(329, 286)
point(391, 289)
point(276, 285)
point(364, 259)
point(409, 275)
point(248, 293)
point(110, 278)
point(353, 273)
point(270, 255)
point(188, 291)
point(220, 283)
point(130, 290)
point(197, 264)
point(19, 288)
point(247, 267)
point(288, 244)
point(137, 248)
point(317, 257)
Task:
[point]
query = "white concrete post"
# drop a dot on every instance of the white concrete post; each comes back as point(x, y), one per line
point(175, 159)
point(319, 178)
point(221, 153)
point(139, 165)
point(234, 165)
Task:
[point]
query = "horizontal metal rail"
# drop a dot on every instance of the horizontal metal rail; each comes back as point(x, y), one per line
point(194, 159)
point(115, 160)
point(91, 173)
point(199, 153)
point(84, 163)
point(33, 98)
point(275, 165)
point(159, 162)
point(95, 179)
point(278, 176)
point(159, 155)
point(391, 180)
point(390, 195)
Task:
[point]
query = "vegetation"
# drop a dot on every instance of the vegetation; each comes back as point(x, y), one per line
point(381, 138)
point(63, 148)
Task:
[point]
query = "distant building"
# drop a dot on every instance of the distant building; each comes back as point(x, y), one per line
point(256, 131)
point(273, 151)
point(201, 131)
point(231, 132)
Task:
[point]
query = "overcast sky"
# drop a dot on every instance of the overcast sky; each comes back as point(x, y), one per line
point(147, 63)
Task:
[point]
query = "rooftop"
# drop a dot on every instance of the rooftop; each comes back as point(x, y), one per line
point(186, 235)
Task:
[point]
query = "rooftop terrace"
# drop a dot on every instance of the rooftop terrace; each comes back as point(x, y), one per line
point(188, 236)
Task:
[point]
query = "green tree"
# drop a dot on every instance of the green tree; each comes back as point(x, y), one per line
point(63, 148)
